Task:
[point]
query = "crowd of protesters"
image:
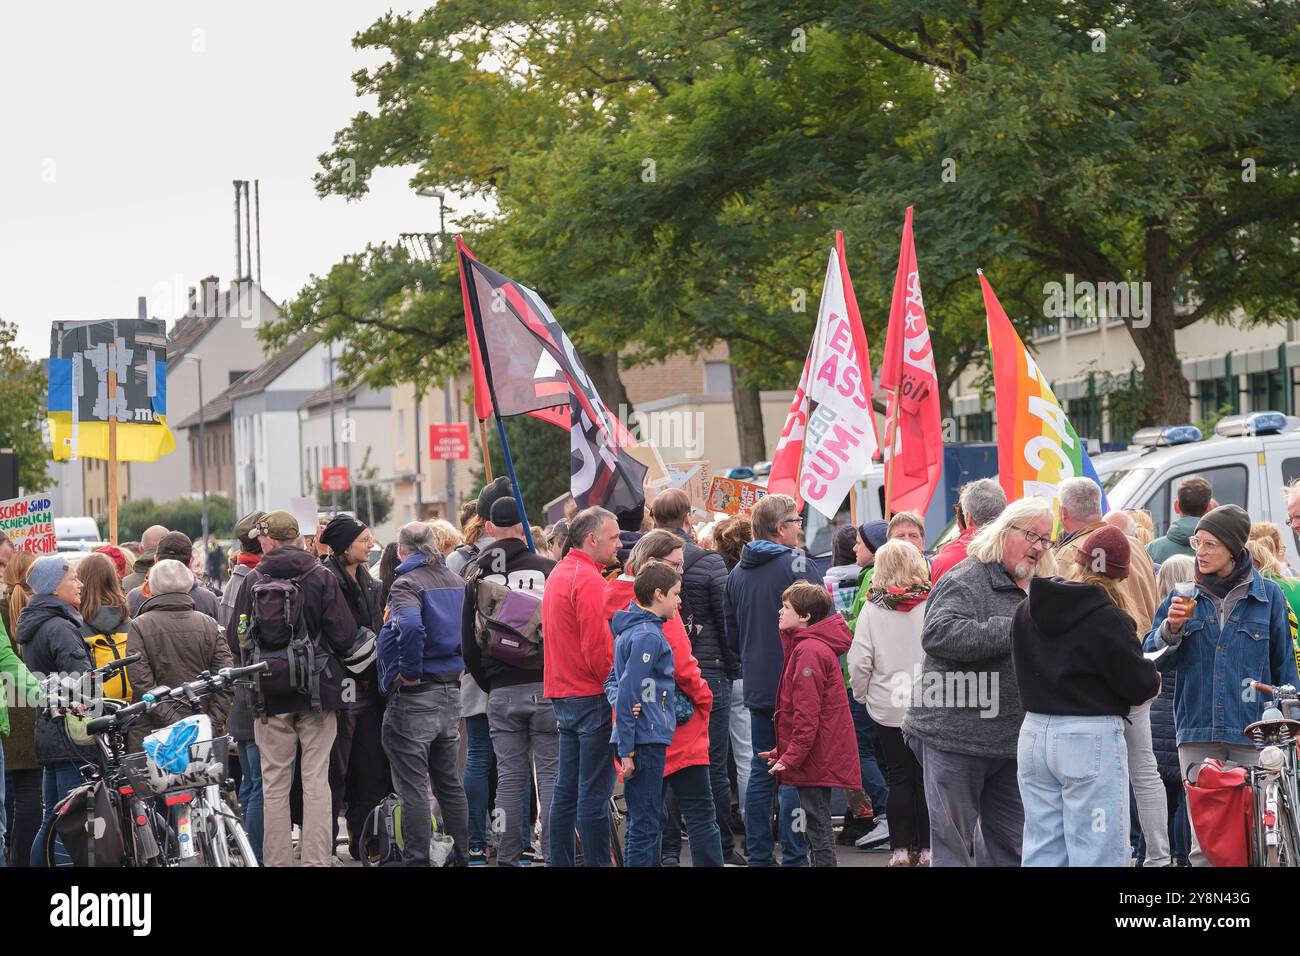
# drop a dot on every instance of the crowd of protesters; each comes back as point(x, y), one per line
point(987, 704)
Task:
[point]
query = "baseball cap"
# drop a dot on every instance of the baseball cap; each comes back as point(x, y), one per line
point(246, 531)
point(279, 525)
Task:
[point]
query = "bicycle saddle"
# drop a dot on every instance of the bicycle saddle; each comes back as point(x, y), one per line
point(1274, 727)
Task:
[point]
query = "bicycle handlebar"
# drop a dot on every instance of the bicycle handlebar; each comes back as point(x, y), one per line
point(1283, 692)
point(160, 695)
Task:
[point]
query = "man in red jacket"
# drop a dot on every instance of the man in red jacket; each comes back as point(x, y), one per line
point(579, 655)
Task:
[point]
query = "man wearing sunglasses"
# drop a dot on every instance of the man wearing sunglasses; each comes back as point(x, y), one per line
point(1080, 515)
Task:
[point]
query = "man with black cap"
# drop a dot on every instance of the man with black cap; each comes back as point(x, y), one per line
point(357, 763)
point(520, 717)
point(176, 546)
point(491, 493)
point(290, 719)
point(1231, 631)
point(239, 724)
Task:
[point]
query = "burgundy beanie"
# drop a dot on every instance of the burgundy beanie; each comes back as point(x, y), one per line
point(1106, 552)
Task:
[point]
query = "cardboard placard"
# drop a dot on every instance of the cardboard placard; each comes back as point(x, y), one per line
point(733, 497)
point(29, 523)
point(304, 512)
point(692, 477)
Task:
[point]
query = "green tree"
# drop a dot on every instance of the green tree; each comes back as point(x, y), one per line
point(24, 387)
point(184, 515)
point(540, 452)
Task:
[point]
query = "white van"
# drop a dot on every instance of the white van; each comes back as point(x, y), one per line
point(1248, 462)
point(77, 534)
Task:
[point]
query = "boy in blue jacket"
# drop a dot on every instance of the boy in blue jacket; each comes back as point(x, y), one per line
point(641, 689)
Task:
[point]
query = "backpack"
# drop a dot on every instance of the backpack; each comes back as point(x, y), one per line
point(106, 648)
point(507, 623)
point(381, 842)
point(277, 634)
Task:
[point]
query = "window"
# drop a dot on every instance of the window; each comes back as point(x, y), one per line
point(1214, 394)
point(1229, 484)
point(717, 378)
point(401, 431)
point(1078, 323)
point(1085, 415)
point(977, 427)
point(1046, 329)
point(1267, 391)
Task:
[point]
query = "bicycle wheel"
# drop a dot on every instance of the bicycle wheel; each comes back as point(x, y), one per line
point(1288, 846)
point(52, 849)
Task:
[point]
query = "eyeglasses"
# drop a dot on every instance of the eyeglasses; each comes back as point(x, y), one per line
point(1293, 520)
point(1201, 544)
point(1033, 537)
point(793, 519)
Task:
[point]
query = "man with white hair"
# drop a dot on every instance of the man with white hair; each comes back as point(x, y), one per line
point(981, 502)
point(420, 663)
point(176, 642)
point(963, 722)
point(1122, 520)
point(1080, 513)
point(145, 560)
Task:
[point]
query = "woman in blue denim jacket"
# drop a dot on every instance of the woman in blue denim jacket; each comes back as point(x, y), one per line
point(1232, 631)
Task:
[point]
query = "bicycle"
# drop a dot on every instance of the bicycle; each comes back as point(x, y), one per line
point(1275, 827)
point(206, 830)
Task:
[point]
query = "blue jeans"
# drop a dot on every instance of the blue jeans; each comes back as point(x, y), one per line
point(644, 792)
point(478, 767)
point(758, 803)
point(719, 782)
point(1073, 775)
point(250, 793)
point(585, 782)
point(60, 779)
point(1180, 838)
point(691, 792)
point(873, 780)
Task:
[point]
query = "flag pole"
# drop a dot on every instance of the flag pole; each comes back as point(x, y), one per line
point(483, 448)
point(890, 438)
point(112, 438)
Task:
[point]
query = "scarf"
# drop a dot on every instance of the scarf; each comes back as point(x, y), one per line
point(900, 599)
point(1220, 586)
point(248, 560)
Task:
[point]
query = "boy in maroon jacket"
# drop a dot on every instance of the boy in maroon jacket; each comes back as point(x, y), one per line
point(816, 749)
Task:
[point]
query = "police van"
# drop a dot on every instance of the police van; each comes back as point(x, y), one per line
point(1248, 461)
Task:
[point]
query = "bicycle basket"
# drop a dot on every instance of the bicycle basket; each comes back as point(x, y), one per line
point(209, 765)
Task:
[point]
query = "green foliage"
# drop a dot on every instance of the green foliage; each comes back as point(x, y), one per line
point(668, 175)
point(24, 387)
point(183, 514)
point(541, 455)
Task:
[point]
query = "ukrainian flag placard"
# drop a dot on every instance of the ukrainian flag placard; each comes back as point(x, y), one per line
point(82, 354)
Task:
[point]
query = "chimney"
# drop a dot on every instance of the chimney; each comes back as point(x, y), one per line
point(210, 285)
point(194, 302)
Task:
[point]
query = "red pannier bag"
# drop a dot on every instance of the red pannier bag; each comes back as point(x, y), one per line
point(1220, 808)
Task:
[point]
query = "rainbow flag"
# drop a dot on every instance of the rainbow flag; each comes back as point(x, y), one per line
point(1037, 445)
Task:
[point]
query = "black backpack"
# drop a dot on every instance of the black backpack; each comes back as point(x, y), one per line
point(277, 634)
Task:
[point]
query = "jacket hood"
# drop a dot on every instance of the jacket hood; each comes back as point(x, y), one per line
point(41, 609)
point(1058, 606)
point(143, 563)
point(108, 620)
point(1181, 531)
point(844, 574)
point(172, 601)
point(831, 631)
point(631, 616)
point(760, 552)
point(287, 562)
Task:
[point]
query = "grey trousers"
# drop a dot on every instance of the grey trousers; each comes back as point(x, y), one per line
point(522, 723)
point(1191, 754)
point(421, 737)
point(816, 804)
point(1148, 788)
point(974, 805)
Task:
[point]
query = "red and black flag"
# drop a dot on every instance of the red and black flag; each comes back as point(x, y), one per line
point(524, 364)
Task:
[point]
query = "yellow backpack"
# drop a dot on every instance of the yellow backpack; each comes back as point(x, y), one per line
point(106, 648)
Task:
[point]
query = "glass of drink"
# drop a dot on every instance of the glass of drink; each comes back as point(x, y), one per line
point(1186, 590)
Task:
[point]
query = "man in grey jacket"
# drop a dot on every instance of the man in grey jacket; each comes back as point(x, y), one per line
point(963, 722)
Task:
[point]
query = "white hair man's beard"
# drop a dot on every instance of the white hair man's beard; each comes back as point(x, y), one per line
point(1024, 570)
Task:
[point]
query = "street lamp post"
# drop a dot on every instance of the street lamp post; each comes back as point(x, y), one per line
point(447, 387)
point(203, 453)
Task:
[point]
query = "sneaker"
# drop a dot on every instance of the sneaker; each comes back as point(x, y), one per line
point(735, 859)
point(900, 858)
point(477, 856)
point(530, 856)
point(878, 836)
point(853, 830)
point(670, 861)
point(922, 858)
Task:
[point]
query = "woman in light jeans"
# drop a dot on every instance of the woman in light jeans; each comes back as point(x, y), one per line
point(1080, 670)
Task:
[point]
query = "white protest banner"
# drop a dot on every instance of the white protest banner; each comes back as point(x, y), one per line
point(304, 511)
point(29, 523)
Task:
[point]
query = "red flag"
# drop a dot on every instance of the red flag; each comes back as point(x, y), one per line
point(482, 400)
point(914, 434)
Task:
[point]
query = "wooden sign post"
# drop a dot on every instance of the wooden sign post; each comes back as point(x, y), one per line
point(112, 444)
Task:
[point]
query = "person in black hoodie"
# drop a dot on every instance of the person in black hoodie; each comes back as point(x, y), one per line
point(1079, 670)
point(287, 720)
point(704, 586)
point(49, 632)
point(359, 773)
point(520, 717)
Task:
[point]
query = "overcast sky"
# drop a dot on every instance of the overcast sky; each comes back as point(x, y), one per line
point(122, 126)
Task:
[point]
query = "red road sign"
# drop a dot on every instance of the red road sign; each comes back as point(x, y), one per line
point(334, 479)
point(448, 441)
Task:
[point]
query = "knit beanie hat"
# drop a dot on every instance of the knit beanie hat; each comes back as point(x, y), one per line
point(169, 576)
point(1106, 552)
point(874, 533)
point(1230, 524)
point(46, 573)
point(341, 531)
